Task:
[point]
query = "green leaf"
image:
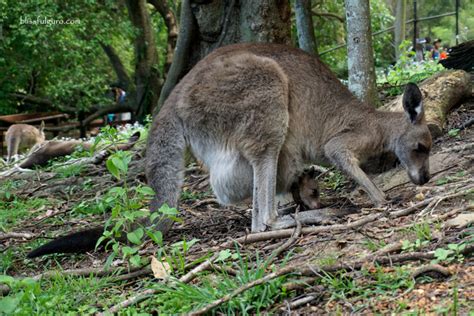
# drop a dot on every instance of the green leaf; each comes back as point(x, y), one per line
point(454, 132)
point(7, 279)
point(145, 190)
point(442, 254)
point(128, 251)
point(112, 168)
point(8, 304)
point(120, 164)
point(136, 236)
point(166, 210)
point(157, 237)
point(224, 255)
point(135, 260)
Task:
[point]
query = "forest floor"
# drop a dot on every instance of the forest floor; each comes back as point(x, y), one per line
point(413, 257)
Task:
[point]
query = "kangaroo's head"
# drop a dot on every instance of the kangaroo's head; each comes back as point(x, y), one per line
point(413, 145)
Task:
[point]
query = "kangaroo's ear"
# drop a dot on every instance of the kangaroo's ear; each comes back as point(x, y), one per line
point(41, 126)
point(413, 103)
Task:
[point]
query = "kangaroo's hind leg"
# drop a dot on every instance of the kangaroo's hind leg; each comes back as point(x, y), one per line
point(264, 213)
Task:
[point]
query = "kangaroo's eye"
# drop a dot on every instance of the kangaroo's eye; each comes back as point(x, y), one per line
point(422, 149)
point(315, 193)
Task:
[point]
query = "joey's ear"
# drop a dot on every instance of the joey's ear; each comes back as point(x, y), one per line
point(413, 103)
point(41, 126)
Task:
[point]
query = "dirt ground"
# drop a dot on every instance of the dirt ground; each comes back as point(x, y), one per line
point(424, 229)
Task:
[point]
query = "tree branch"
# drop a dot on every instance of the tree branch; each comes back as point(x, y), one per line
point(117, 65)
point(329, 15)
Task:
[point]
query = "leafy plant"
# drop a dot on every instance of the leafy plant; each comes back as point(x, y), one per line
point(407, 70)
point(411, 246)
point(454, 132)
point(453, 253)
point(129, 215)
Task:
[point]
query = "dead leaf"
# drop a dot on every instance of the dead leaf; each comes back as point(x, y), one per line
point(161, 270)
point(460, 221)
point(420, 196)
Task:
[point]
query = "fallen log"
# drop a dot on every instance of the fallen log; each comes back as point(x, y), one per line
point(441, 93)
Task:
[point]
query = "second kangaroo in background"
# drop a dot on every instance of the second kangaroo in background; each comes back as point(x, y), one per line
point(23, 136)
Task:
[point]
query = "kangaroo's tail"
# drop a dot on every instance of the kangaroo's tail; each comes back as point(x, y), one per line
point(165, 160)
point(79, 242)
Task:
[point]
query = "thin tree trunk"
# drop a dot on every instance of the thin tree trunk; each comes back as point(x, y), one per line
point(147, 75)
point(360, 52)
point(400, 20)
point(170, 20)
point(181, 54)
point(305, 27)
point(117, 65)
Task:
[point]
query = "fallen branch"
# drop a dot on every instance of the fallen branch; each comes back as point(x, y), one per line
point(130, 301)
point(283, 233)
point(290, 241)
point(12, 235)
point(303, 301)
point(435, 202)
point(431, 268)
point(205, 202)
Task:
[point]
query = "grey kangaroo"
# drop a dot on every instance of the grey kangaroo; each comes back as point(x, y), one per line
point(23, 136)
point(256, 114)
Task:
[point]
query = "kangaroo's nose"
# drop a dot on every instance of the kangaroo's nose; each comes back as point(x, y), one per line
point(425, 177)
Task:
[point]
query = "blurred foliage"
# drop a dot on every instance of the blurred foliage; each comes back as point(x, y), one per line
point(444, 28)
point(406, 70)
point(64, 63)
point(331, 31)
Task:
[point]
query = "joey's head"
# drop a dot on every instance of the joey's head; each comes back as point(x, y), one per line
point(307, 192)
point(413, 145)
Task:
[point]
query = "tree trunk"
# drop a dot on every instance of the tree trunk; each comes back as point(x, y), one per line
point(147, 75)
point(360, 55)
point(305, 27)
point(265, 21)
point(117, 65)
point(207, 25)
point(441, 93)
point(400, 29)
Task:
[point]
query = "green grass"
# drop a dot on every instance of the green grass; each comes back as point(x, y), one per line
point(178, 298)
point(193, 196)
point(56, 296)
point(15, 209)
point(69, 170)
point(376, 284)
